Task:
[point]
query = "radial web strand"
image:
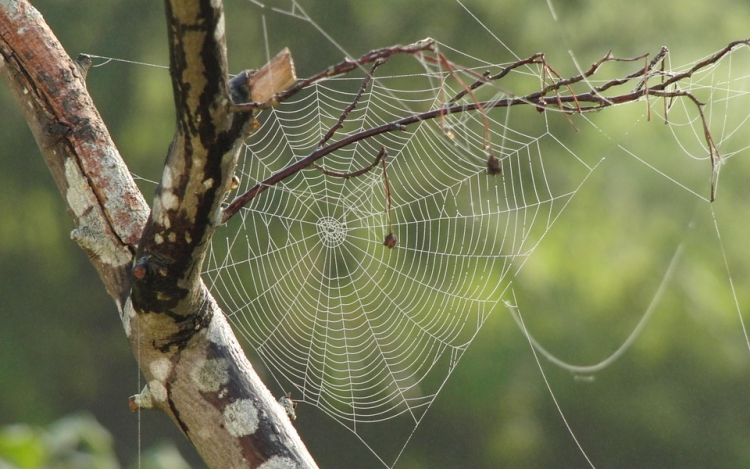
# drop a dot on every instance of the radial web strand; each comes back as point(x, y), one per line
point(366, 333)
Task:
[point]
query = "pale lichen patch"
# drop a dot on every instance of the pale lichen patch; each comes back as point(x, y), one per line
point(208, 183)
point(188, 238)
point(128, 315)
point(78, 197)
point(158, 238)
point(220, 29)
point(160, 368)
point(166, 176)
point(210, 375)
point(91, 232)
point(12, 8)
point(278, 462)
point(172, 236)
point(214, 334)
point(204, 433)
point(144, 400)
point(97, 244)
point(169, 201)
point(241, 418)
point(157, 209)
point(158, 390)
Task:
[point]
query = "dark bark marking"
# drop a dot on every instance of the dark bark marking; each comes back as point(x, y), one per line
point(176, 413)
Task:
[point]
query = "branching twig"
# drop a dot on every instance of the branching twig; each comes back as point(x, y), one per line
point(353, 174)
point(353, 104)
point(557, 94)
point(340, 68)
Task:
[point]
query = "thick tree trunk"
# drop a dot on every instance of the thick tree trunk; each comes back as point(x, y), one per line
point(150, 265)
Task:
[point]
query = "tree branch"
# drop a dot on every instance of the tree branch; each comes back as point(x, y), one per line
point(194, 366)
point(103, 200)
point(193, 357)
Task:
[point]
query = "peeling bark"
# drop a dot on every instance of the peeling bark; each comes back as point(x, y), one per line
point(196, 371)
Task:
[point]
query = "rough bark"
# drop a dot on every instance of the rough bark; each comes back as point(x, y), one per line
point(150, 265)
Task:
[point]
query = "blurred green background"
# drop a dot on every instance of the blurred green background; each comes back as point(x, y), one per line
point(677, 399)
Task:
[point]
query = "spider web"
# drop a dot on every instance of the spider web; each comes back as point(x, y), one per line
point(368, 334)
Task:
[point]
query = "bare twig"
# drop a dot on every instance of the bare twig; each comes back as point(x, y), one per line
point(353, 174)
point(390, 239)
point(557, 94)
point(353, 104)
point(341, 68)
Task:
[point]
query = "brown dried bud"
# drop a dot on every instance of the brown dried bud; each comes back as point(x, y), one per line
point(390, 241)
point(494, 166)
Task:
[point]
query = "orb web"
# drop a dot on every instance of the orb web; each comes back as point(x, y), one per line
point(366, 333)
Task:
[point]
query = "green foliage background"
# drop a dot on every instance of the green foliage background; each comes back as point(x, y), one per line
point(677, 399)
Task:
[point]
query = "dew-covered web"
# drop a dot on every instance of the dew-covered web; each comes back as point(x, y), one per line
point(370, 333)
point(367, 333)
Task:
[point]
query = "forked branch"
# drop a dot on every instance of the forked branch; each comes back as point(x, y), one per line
point(556, 93)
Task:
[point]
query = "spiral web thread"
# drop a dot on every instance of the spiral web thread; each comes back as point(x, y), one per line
point(368, 334)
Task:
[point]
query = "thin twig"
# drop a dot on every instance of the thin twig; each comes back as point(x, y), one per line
point(390, 239)
point(591, 100)
point(353, 104)
point(353, 174)
point(341, 68)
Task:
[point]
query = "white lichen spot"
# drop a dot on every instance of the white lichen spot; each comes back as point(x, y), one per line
point(144, 400)
point(169, 201)
point(210, 375)
point(219, 31)
point(278, 462)
point(78, 198)
point(241, 418)
point(172, 236)
point(205, 432)
point(158, 238)
point(158, 390)
point(90, 233)
point(214, 334)
point(208, 183)
point(12, 10)
point(166, 177)
point(128, 316)
point(188, 238)
point(160, 368)
point(157, 207)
